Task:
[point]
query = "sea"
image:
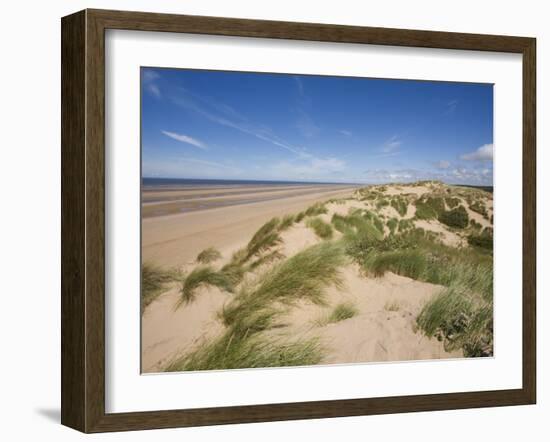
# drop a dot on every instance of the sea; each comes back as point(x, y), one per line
point(148, 182)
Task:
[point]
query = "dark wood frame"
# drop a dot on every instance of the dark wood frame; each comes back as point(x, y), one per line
point(83, 217)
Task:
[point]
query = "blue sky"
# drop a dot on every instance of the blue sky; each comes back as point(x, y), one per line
point(236, 125)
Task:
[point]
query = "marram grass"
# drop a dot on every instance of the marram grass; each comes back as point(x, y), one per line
point(153, 281)
point(321, 228)
point(231, 351)
point(343, 311)
point(200, 277)
point(208, 255)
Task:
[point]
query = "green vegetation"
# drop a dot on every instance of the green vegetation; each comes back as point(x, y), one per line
point(256, 309)
point(265, 259)
point(321, 228)
point(340, 223)
point(375, 220)
point(359, 223)
point(286, 222)
point(208, 255)
point(483, 240)
point(265, 238)
point(461, 318)
point(461, 314)
point(429, 208)
point(316, 209)
point(479, 207)
point(475, 225)
point(255, 351)
point(343, 311)
point(452, 202)
point(301, 277)
point(392, 225)
point(299, 217)
point(400, 205)
point(392, 306)
point(382, 203)
point(405, 224)
point(153, 282)
point(457, 218)
point(200, 277)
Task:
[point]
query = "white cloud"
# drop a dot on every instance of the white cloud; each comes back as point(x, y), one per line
point(442, 164)
point(347, 133)
point(483, 153)
point(184, 139)
point(149, 79)
point(313, 168)
point(459, 175)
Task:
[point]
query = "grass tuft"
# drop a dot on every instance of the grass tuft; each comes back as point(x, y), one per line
point(392, 224)
point(461, 318)
point(400, 205)
point(452, 202)
point(429, 208)
point(153, 281)
point(301, 277)
point(457, 218)
point(392, 306)
point(232, 351)
point(321, 228)
point(208, 255)
point(483, 240)
point(200, 277)
point(265, 238)
point(343, 311)
point(316, 209)
point(286, 222)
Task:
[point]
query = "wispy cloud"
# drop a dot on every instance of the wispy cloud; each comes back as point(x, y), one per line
point(306, 125)
point(315, 168)
point(391, 144)
point(483, 153)
point(206, 163)
point(345, 132)
point(451, 106)
point(182, 138)
point(226, 116)
point(300, 86)
point(302, 164)
point(149, 80)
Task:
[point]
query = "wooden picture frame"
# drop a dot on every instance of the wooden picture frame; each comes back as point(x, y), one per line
point(83, 220)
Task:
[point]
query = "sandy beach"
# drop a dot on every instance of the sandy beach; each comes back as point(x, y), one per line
point(226, 220)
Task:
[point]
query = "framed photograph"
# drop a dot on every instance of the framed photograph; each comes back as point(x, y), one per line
point(269, 220)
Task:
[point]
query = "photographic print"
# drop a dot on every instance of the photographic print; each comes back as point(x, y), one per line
point(300, 220)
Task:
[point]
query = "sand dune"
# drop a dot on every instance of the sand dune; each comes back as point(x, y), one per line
point(384, 325)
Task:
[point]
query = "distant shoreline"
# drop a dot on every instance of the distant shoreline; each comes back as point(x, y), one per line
point(148, 183)
point(159, 182)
